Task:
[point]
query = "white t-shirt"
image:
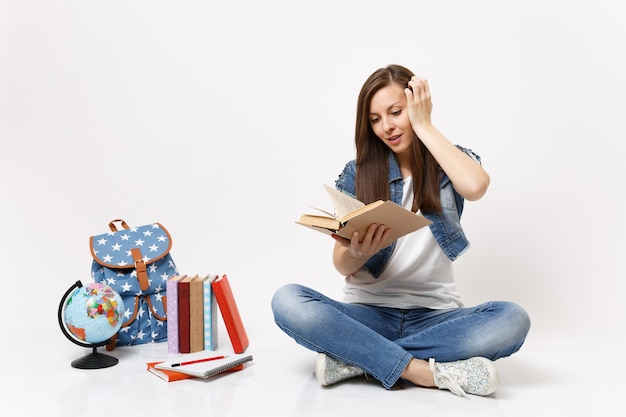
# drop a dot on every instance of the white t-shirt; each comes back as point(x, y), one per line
point(418, 274)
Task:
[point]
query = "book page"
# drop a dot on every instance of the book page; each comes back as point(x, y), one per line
point(343, 203)
point(331, 215)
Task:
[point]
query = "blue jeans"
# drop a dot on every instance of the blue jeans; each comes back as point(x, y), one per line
point(381, 341)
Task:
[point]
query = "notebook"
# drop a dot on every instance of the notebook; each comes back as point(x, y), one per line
point(204, 364)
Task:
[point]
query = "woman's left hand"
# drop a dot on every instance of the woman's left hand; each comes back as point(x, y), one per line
point(419, 104)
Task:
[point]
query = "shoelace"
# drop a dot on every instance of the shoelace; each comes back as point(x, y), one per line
point(450, 379)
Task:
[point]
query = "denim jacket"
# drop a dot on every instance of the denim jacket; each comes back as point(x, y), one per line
point(445, 226)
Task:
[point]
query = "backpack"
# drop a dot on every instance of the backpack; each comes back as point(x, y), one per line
point(135, 262)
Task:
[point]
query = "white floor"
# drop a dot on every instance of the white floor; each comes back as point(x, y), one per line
point(280, 382)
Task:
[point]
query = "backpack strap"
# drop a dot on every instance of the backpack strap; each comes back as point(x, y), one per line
point(111, 345)
point(113, 228)
point(140, 267)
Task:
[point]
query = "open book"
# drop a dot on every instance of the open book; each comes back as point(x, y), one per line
point(352, 214)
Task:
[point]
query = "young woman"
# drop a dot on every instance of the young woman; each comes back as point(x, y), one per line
point(401, 317)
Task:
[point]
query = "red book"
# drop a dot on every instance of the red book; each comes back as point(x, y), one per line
point(166, 374)
point(184, 341)
point(230, 313)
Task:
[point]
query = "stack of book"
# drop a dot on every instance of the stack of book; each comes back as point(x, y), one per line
point(192, 328)
point(191, 314)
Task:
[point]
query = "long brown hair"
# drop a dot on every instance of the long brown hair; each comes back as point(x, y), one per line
point(372, 154)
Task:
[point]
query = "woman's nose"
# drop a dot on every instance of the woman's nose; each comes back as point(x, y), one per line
point(388, 125)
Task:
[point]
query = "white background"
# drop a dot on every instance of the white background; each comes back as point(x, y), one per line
point(222, 120)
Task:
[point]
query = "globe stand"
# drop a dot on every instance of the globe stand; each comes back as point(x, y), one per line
point(93, 360)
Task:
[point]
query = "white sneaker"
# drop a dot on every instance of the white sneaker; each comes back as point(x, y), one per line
point(330, 371)
point(477, 376)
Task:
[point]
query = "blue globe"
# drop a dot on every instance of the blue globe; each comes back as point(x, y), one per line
point(93, 313)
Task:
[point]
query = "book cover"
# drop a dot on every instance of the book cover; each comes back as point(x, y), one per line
point(210, 315)
point(352, 215)
point(171, 287)
point(183, 315)
point(196, 314)
point(205, 364)
point(166, 374)
point(230, 313)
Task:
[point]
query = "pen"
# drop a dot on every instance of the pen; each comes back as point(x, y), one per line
point(198, 361)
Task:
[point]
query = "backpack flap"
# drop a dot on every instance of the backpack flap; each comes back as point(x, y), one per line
point(131, 250)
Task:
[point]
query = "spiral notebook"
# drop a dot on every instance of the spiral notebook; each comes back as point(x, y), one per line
point(204, 364)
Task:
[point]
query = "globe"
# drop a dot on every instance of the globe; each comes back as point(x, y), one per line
point(89, 315)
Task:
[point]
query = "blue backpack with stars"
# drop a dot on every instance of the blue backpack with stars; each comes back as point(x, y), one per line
point(135, 262)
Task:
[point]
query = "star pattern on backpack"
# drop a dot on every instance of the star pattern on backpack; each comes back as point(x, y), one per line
point(113, 265)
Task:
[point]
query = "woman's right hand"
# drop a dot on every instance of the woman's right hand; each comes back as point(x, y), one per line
point(350, 255)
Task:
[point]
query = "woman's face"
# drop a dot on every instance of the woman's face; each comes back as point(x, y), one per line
point(389, 118)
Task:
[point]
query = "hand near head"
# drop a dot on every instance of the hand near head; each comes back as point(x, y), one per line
point(419, 104)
